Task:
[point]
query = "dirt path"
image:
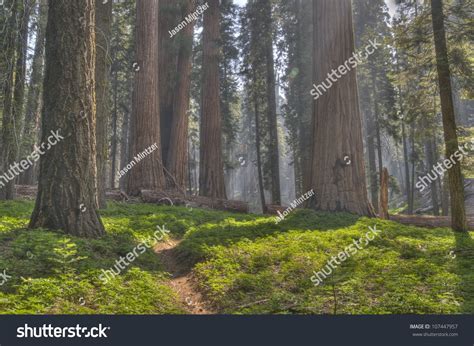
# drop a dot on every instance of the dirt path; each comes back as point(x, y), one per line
point(182, 281)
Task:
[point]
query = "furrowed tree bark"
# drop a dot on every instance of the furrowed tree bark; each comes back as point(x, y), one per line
point(168, 72)
point(338, 172)
point(67, 189)
point(456, 185)
point(103, 24)
point(177, 162)
point(145, 122)
point(33, 103)
point(211, 165)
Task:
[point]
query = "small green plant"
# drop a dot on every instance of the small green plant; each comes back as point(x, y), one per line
point(65, 256)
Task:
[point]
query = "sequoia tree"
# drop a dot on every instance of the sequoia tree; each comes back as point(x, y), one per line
point(338, 173)
point(67, 198)
point(147, 173)
point(211, 172)
point(178, 153)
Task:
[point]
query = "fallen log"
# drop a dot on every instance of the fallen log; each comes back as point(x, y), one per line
point(428, 221)
point(174, 198)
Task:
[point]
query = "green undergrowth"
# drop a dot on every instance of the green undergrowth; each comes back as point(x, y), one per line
point(403, 270)
point(243, 264)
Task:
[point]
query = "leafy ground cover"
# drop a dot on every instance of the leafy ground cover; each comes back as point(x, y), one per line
point(243, 264)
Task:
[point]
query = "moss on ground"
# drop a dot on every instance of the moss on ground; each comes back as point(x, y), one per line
point(244, 264)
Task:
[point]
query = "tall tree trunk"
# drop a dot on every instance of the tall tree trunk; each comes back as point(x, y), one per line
point(7, 186)
point(211, 168)
point(33, 104)
point(113, 148)
point(125, 146)
point(271, 103)
point(384, 177)
point(103, 25)
point(431, 161)
point(456, 185)
point(261, 188)
point(374, 193)
point(12, 142)
point(178, 148)
point(338, 172)
point(413, 164)
point(145, 123)
point(167, 70)
point(377, 127)
point(407, 169)
point(67, 189)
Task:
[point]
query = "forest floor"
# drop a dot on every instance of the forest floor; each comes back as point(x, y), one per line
point(220, 262)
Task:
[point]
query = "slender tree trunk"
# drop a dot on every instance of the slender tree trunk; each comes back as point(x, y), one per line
point(211, 168)
point(67, 189)
point(113, 149)
point(456, 184)
point(430, 162)
point(145, 123)
point(125, 146)
point(413, 164)
point(103, 25)
point(261, 188)
point(33, 104)
point(377, 125)
point(178, 150)
point(11, 154)
point(407, 169)
point(338, 172)
point(372, 161)
point(271, 103)
point(7, 179)
point(384, 177)
point(445, 196)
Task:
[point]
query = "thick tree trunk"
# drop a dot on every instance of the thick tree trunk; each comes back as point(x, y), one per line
point(211, 168)
point(338, 172)
point(168, 72)
point(177, 154)
point(33, 104)
point(145, 122)
point(456, 185)
point(67, 189)
point(271, 103)
point(103, 25)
